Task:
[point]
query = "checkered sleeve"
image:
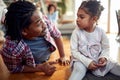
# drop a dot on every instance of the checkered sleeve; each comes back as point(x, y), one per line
point(54, 31)
point(29, 60)
point(15, 55)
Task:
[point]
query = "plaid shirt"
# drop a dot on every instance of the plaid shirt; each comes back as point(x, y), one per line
point(17, 54)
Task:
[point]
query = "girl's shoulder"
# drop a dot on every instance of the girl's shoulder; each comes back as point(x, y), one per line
point(76, 29)
point(99, 28)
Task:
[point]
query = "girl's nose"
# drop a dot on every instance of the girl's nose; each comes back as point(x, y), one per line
point(77, 20)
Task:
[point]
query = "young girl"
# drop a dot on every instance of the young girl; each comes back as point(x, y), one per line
point(89, 44)
point(52, 13)
point(29, 40)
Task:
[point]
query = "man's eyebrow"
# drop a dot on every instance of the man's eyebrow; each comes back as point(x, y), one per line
point(37, 20)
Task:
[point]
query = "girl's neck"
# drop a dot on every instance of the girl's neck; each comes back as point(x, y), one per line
point(90, 29)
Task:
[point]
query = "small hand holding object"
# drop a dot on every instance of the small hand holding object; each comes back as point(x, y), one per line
point(92, 65)
point(102, 62)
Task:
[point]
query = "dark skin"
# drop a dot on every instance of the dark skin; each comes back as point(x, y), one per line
point(37, 28)
point(47, 68)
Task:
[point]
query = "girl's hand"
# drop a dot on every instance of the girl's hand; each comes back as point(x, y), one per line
point(102, 62)
point(92, 66)
point(63, 61)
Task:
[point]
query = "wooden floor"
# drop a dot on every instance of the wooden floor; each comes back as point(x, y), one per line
point(62, 72)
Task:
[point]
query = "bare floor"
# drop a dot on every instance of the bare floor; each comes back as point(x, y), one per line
point(62, 72)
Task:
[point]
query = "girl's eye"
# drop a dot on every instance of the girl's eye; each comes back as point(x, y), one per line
point(81, 17)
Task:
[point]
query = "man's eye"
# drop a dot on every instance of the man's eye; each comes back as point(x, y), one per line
point(38, 25)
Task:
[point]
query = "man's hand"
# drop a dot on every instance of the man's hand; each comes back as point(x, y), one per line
point(47, 68)
point(63, 61)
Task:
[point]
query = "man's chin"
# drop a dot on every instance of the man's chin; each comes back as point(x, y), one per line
point(43, 34)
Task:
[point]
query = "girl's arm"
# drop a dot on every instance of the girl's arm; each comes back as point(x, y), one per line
point(105, 46)
point(75, 51)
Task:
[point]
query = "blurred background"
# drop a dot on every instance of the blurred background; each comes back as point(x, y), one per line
point(67, 13)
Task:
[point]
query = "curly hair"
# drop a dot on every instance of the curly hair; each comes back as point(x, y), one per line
point(18, 17)
point(51, 5)
point(92, 7)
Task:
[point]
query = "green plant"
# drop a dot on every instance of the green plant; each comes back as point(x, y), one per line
point(62, 6)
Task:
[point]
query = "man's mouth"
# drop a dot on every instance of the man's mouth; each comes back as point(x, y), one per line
point(44, 31)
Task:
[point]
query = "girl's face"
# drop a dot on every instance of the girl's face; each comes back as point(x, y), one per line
point(36, 28)
point(84, 20)
point(52, 9)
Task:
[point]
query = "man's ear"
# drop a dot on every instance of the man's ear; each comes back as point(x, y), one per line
point(24, 32)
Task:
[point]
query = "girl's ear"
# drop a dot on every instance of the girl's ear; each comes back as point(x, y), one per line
point(24, 32)
point(95, 18)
